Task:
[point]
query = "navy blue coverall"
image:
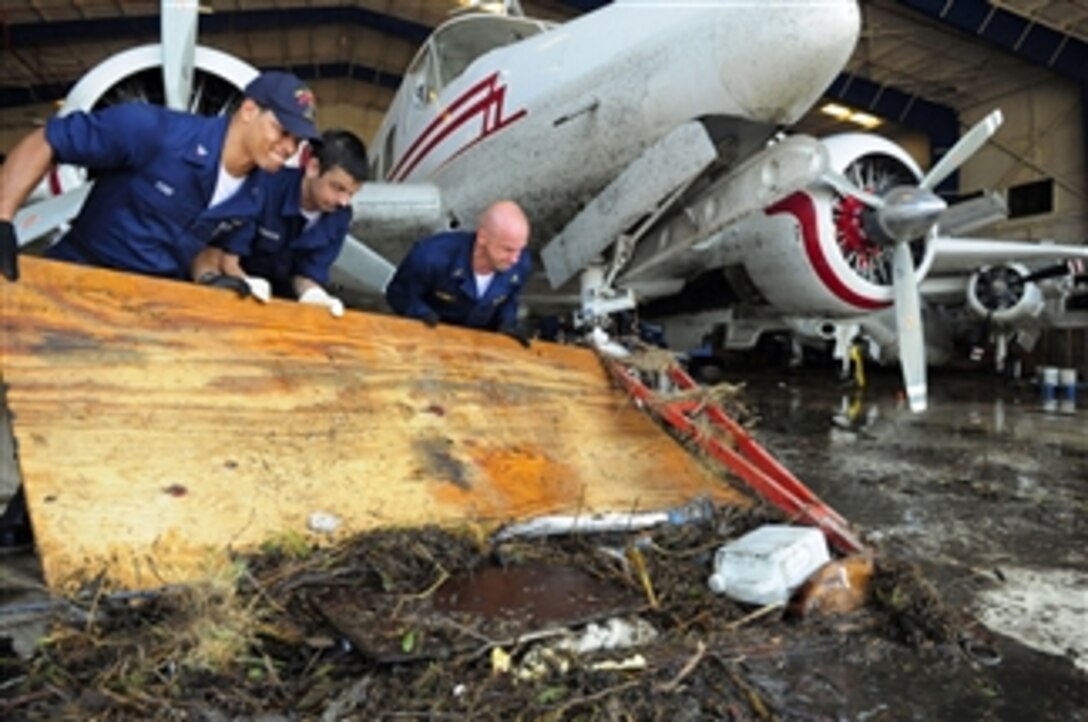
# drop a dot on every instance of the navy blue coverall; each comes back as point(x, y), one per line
point(154, 174)
point(436, 279)
point(277, 246)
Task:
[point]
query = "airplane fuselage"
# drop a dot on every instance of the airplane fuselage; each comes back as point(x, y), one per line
point(550, 119)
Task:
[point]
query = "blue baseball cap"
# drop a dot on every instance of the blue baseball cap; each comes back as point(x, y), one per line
point(289, 98)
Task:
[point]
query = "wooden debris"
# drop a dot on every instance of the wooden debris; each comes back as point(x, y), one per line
point(126, 390)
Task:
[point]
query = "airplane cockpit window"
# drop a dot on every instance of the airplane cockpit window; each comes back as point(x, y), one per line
point(387, 152)
point(461, 41)
point(377, 171)
point(421, 74)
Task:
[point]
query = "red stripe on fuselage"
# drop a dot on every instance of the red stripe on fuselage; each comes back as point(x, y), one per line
point(54, 181)
point(488, 108)
point(801, 207)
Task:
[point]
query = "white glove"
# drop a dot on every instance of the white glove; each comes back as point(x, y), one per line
point(319, 297)
point(259, 287)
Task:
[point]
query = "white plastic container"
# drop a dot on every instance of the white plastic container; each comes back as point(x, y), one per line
point(1049, 382)
point(765, 566)
point(1067, 380)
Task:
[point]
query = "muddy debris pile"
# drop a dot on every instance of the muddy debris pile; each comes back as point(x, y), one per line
point(446, 624)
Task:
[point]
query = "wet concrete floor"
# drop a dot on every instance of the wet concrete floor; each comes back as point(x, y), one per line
point(987, 492)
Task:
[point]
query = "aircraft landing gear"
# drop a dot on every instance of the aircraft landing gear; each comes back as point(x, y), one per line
point(857, 363)
point(599, 301)
point(848, 351)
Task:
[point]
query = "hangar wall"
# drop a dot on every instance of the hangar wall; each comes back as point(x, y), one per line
point(355, 106)
point(342, 103)
point(1043, 137)
point(20, 120)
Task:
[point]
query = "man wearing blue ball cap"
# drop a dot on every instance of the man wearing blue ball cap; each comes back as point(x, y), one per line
point(166, 182)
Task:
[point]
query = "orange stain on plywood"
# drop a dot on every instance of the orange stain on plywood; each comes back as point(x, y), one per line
point(511, 481)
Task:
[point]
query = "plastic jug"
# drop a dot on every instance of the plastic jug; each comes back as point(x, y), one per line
point(766, 565)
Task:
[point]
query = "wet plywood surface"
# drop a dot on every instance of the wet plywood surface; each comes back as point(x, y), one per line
point(160, 424)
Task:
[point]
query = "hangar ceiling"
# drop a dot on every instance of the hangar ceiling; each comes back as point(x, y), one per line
point(48, 44)
point(902, 49)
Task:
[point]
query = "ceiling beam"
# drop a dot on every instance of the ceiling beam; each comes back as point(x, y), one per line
point(1060, 52)
point(1038, 44)
point(54, 33)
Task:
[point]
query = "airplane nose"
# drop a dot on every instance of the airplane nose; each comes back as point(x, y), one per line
point(767, 62)
point(795, 51)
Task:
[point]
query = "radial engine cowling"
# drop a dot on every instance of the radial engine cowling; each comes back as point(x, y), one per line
point(1002, 294)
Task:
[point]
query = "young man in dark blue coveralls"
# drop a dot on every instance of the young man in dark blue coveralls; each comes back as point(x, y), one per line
point(301, 227)
point(467, 278)
point(165, 182)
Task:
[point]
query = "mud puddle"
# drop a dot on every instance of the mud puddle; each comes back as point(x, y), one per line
point(986, 492)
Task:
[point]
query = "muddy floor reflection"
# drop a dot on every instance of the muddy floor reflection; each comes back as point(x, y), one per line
point(987, 491)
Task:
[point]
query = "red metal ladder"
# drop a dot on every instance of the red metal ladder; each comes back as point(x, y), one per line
point(748, 460)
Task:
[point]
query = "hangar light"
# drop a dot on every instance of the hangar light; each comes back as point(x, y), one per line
point(499, 7)
point(847, 114)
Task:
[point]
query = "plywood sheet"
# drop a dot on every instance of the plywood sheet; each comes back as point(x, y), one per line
point(161, 424)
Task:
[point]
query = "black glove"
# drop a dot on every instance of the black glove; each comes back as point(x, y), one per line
point(9, 251)
point(515, 334)
point(220, 280)
point(430, 319)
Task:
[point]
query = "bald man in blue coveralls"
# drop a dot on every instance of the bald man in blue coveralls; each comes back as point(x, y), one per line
point(468, 278)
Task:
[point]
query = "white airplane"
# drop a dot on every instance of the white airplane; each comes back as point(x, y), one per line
point(647, 132)
point(643, 140)
point(841, 270)
point(637, 100)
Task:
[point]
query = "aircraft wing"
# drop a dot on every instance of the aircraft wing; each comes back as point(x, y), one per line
point(968, 254)
point(683, 241)
point(944, 290)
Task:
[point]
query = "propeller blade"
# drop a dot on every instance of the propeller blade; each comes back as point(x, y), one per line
point(179, 23)
point(976, 213)
point(38, 219)
point(848, 188)
point(963, 149)
point(908, 319)
point(1060, 269)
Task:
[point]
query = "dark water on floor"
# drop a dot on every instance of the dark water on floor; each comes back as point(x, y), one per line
point(538, 594)
point(987, 492)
